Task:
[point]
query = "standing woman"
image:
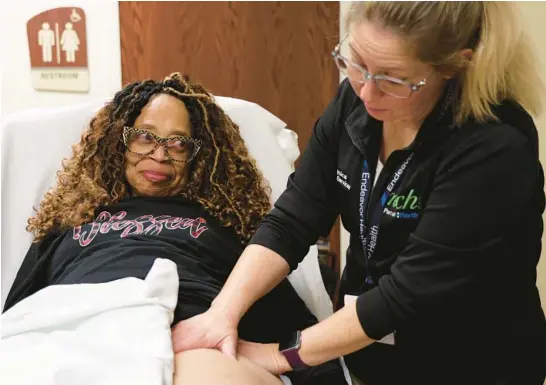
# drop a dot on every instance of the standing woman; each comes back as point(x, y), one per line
point(430, 155)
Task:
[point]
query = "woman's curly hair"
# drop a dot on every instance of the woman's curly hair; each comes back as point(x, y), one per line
point(224, 178)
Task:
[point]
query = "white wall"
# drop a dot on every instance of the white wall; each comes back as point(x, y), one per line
point(533, 20)
point(104, 55)
point(1, 73)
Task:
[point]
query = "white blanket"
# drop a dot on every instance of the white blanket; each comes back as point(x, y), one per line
point(93, 334)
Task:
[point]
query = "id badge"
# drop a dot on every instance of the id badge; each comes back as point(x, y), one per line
point(388, 339)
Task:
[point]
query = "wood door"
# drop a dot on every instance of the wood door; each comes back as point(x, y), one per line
point(276, 54)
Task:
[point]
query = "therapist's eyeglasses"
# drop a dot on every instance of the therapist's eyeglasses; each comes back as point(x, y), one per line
point(143, 142)
point(398, 88)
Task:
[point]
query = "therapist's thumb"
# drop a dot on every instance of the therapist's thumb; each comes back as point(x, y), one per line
point(229, 346)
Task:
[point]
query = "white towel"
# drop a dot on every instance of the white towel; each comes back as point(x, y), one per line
point(90, 334)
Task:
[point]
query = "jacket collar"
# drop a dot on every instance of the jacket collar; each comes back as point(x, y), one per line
point(363, 129)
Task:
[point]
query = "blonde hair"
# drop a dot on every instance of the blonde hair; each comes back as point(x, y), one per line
point(502, 66)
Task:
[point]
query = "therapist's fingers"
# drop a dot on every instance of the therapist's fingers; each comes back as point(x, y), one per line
point(205, 331)
point(229, 346)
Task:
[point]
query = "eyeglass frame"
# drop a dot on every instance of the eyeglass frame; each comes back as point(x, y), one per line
point(369, 76)
point(127, 130)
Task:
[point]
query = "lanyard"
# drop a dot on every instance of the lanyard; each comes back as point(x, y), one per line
point(369, 233)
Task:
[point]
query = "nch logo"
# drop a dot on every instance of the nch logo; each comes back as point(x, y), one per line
point(404, 206)
point(404, 202)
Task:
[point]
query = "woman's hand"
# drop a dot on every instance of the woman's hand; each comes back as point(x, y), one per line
point(267, 356)
point(209, 330)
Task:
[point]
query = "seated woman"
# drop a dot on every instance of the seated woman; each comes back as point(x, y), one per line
point(162, 172)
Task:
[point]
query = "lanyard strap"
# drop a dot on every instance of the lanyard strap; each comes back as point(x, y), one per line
point(369, 232)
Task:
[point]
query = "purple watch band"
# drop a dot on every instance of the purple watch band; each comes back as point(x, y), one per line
point(294, 359)
point(290, 351)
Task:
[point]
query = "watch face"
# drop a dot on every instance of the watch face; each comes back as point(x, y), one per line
point(290, 342)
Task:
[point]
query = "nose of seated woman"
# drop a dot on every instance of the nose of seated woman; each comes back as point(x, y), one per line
point(155, 173)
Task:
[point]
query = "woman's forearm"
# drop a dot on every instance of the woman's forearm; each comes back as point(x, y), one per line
point(257, 272)
point(334, 337)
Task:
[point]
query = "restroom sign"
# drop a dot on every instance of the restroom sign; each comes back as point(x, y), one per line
point(57, 43)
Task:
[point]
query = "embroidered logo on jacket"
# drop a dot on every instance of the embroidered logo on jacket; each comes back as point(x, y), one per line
point(405, 206)
point(341, 178)
point(145, 224)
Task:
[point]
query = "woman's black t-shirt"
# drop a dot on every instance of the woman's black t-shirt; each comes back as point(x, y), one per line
point(125, 239)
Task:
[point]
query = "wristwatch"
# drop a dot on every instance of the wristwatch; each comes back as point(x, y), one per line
point(290, 350)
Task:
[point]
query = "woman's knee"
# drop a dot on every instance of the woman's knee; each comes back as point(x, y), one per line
point(209, 366)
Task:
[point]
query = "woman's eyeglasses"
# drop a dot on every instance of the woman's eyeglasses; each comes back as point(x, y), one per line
point(391, 86)
point(143, 142)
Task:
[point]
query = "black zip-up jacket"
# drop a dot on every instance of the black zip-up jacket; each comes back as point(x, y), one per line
point(459, 241)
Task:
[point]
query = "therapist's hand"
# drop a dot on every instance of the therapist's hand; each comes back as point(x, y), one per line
point(265, 355)
point(210, 330)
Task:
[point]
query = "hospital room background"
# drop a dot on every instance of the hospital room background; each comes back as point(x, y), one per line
point(275, 54)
